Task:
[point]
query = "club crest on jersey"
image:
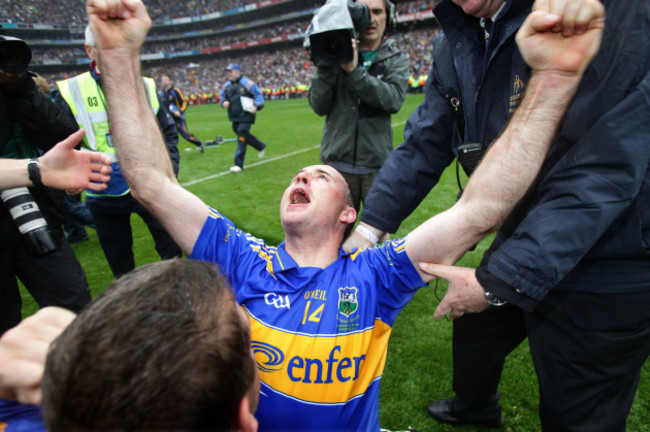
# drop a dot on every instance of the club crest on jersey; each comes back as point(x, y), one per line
point(348, 302)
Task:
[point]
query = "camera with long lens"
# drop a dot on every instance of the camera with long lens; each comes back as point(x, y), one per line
point(330, 31)
point(15, 55)
point(30, 221)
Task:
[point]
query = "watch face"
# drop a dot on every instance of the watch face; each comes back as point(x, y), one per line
point(34, 172)
point(495, 301)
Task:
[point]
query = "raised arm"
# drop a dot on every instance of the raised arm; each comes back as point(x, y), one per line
point(557, 45)
point(120, 27)
point(62, 167)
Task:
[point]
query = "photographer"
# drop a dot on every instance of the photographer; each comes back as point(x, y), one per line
point(32, 249)
point(358, 98)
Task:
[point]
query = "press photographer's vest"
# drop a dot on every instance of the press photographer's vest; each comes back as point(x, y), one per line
point(88, 105)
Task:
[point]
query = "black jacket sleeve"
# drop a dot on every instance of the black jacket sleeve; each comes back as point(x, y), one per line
point(170, 133)
point(415, 166)
point(585, 225)
point(42, 121)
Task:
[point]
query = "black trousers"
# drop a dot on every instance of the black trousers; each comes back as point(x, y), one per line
point(55, 279)
point(587, 378)
point(244, 137)
point(359, 186)
point(112, 218)
point(480, 344)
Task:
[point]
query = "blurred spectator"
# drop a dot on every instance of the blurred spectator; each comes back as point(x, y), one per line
point(243, 99)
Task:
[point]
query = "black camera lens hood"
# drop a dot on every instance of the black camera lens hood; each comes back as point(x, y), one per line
point(15, 55)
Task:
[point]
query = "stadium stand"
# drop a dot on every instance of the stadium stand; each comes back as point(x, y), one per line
point(195, 40)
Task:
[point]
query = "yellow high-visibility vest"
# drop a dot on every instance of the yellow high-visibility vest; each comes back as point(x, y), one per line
point(88, 105)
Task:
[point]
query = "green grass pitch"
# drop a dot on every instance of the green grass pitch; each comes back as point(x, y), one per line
point(419, 368)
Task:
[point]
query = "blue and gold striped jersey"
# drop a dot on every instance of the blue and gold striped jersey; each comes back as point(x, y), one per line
point(319, 335)
point(16, 417)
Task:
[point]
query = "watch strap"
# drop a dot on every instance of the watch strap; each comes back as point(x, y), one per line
point(494, 300)
point(34, 172)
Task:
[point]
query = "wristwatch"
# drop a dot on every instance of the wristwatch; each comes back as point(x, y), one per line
point(494, 300)
point(34, 172)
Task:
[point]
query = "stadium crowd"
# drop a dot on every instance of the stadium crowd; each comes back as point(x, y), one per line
point(285, 72)
point(73, 12)
point(41, 54)
point(277, 72)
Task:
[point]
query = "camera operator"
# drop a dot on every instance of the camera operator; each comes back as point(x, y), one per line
point(32, 244)
point(358, 98)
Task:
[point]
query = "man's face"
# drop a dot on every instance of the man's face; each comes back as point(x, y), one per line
point(479, 8)
point(375, 31)
point(165, 81)
point(233, 74)
point(317, 197)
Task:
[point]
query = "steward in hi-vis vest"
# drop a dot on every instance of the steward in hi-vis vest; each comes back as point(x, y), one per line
point(87, 103)
point(112, 208)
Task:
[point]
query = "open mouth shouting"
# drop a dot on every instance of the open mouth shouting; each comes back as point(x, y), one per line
point(299, 196)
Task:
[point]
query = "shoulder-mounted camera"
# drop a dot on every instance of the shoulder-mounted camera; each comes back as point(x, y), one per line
point(333, 26)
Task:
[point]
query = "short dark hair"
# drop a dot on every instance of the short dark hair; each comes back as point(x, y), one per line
point(163, 348)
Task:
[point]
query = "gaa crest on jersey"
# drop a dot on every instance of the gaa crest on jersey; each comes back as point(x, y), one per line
point(348, 302)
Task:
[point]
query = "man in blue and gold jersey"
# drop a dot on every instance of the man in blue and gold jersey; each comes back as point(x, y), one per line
point(321, 316)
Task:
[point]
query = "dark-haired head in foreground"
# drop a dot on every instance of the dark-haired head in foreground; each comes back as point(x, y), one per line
point(165, 347)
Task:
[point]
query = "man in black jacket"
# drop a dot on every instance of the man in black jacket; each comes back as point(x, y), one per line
point(30, 123)
point(572, 259)
point(243, 99)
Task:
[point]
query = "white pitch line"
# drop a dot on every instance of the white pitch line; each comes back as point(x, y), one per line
point(193, 182)
point(190, 183)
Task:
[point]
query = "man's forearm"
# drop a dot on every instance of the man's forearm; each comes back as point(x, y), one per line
point(323, 89)
point(386, 93)
point(502, 178)
point(145, 164)
point(363, 237)
point(14, 173)
point(513, 162)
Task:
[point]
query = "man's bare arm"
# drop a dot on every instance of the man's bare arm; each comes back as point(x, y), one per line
point(557, 46)
point(120, 27)
point(62, 167)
